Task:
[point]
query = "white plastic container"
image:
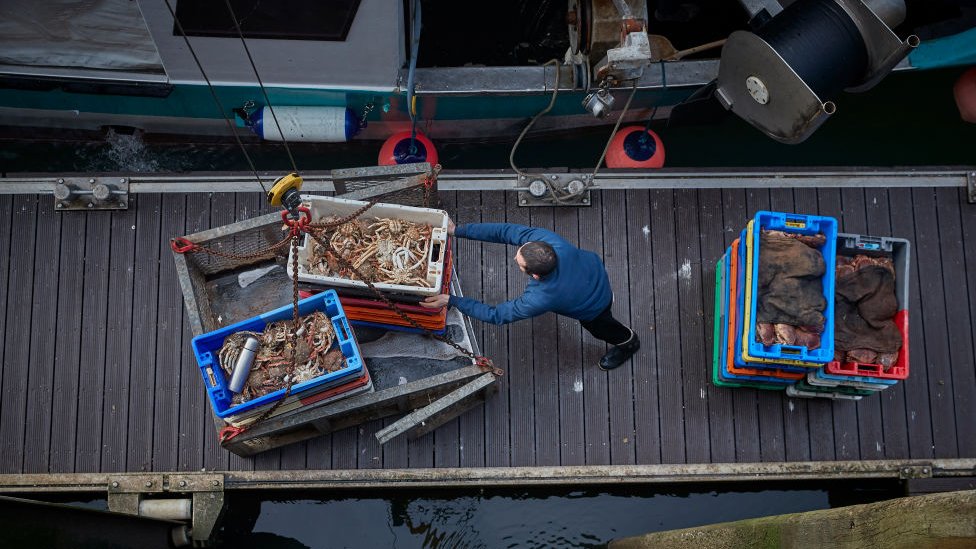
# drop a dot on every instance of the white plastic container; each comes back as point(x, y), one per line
point(322, 206)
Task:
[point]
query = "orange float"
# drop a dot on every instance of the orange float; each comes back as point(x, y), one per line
point(635, 147)
point(397, 150)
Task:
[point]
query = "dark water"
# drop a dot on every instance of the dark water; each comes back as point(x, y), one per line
point(538, 518)
point(910, 119)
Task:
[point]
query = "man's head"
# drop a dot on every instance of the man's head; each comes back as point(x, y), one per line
point(536, 259)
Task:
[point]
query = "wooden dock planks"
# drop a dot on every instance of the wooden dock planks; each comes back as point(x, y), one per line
point(641, 272)
point(593, 381)
point(145, 329)
point(966, 393)
point(570, 362)
point(98, 375)
point(920, 438)
point(894, 427)
point(713, 244)
point(956, 325)
point(172, 337)
point(40, 380)
point(695, 355)
point(518, 360)
point(67, 360)
point(20, 284)
point(620, 385)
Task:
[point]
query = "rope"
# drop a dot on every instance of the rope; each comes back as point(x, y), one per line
point(213, 93)
point(615, 128)
point(664, 87)
point(411, 98)
point(525, 130)
point(261, 84)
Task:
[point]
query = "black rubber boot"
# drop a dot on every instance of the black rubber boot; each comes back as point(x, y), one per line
point(618, 355)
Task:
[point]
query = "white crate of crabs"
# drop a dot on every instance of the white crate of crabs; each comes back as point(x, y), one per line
point(398, 248)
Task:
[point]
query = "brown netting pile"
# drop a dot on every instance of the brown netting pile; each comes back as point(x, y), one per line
point(864, 311)
point(790, 303)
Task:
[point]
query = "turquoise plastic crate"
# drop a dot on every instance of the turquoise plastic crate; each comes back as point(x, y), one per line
point(207, 346)
point(805, 225)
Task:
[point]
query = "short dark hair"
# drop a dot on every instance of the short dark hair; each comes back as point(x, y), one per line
point(540, 258)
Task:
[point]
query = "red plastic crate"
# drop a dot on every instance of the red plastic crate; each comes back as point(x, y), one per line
point(898, 371)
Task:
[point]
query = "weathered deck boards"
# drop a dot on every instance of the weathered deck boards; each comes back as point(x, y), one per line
point(97, 373)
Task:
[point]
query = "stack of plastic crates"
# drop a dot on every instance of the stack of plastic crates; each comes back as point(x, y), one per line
point(854, 380)
point(349, 379)
point(740, 360)
point(363, 309)
point(362, 306)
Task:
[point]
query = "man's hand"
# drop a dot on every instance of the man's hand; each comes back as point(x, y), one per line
point(436, 301)
point(450, 227)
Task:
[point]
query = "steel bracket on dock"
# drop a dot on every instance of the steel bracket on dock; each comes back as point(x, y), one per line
point(554, 189)
point(127, 492)
point(91, 193)
point(915, 471)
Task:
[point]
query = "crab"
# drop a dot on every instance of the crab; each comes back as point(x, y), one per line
point(394, 228)
point(274, 365)
point(384, 251)
point(403, 276)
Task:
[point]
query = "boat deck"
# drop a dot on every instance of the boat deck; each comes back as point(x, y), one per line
point(98, 375)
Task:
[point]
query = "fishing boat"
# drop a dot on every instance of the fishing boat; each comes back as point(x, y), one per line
point(337, 70)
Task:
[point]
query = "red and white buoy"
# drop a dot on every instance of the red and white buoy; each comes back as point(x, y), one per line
point(965, 94)
point(399, 148)
point(635, 147)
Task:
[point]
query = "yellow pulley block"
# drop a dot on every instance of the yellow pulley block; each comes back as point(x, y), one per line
point(285, 192)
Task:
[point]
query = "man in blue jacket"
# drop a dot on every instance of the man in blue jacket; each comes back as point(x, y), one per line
point(564, 280)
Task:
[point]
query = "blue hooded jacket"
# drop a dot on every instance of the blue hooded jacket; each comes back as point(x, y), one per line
point(578, 288)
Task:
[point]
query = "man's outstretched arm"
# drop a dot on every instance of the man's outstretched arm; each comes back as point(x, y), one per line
point(506, 233)
point(503, 313)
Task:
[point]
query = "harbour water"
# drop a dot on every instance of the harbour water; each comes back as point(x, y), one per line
point(531, 517)
point(523, 518)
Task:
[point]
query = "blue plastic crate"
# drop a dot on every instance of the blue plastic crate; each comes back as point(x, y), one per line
point(207, 346)
point(806, 225)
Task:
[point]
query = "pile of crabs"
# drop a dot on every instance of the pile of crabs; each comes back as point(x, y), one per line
point(387, 251)
point(274, 367)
